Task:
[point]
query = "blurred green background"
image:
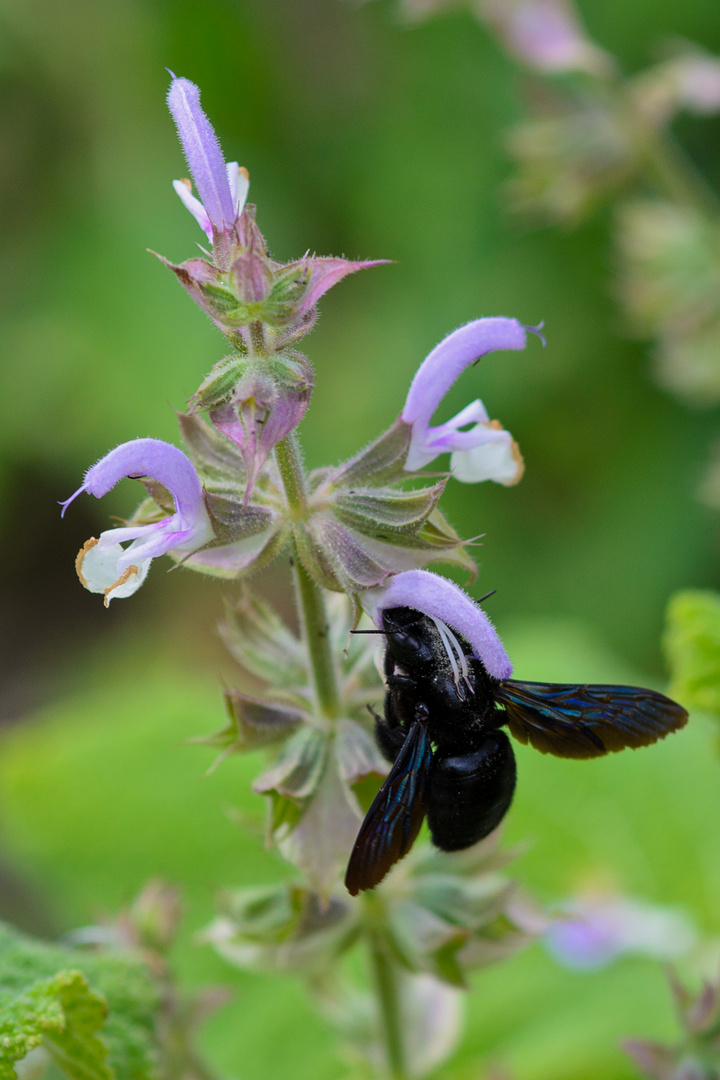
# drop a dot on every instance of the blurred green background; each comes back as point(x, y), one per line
point(366, 138)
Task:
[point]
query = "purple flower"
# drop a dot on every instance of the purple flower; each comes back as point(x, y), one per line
point(223, 188)
point(485, 451)
point(103, 565)
point(449, 606)
point(546, 34)
point(594, 930)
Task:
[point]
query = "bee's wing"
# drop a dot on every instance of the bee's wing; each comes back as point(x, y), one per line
point(394, 819)
point(586, 721)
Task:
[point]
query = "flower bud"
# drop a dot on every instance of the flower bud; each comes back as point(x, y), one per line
point(155, 915)
point(266, 403)
point(251, 278)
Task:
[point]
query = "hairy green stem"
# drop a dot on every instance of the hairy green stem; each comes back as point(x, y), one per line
point(388, 997)
point(257, 339)
point(289, 462)
point(316, 632)
point(310, 598)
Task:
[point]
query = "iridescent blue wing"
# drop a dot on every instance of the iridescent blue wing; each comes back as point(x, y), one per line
point(394, 819)
point(586, 721)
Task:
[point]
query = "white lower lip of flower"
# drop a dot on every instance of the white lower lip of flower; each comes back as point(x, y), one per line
point(97, 568)
point(498, 461)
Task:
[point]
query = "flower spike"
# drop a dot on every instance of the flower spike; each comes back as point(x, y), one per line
point(223, 188)
point(441, 599)
point(486, 451)
point(103, 565)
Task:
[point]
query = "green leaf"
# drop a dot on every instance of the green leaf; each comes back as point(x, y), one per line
point(61, 1013)
point(692, 646)
point(60, 998)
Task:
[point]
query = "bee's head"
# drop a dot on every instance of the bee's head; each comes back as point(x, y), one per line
point(409, 636)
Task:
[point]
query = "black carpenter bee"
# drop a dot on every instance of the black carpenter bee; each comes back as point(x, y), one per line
point(450, 759)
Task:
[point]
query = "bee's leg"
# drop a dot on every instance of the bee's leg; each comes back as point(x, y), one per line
point(400, 682)
point(389, 733)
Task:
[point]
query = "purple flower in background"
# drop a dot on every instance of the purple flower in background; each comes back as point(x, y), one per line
point(594, 930)
point(448, 606)
point(223, 188)
point(485, 451)
point(103, 565)
point(546, 34)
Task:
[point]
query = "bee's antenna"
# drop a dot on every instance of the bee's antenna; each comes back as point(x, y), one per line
point(487, 595)
point(367, 631)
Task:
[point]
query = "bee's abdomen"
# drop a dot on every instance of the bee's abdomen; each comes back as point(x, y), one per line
point(469, 794)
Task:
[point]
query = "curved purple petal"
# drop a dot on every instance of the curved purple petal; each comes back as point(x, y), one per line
point(150, 458)
point(436, 375)
point(449, 359)
point(203, 152)
point(441, 599)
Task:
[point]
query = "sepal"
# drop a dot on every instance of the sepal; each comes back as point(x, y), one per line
point(297, 771)
point(351, 558)
point(451, 913)
point(252, 724)
point(233, 520)
point(246, 286)
point(243, 557)
point(281, 928)
point(320, 839)
point(696, 1056)
point(380, 463)
point(208, 287)
point(387, 513)
point(217, 387)
point(219, 460)
point(263, 644)
point(431, 1011)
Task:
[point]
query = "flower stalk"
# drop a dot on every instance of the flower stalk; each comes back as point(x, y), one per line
point(387, 989)
point(310, 600)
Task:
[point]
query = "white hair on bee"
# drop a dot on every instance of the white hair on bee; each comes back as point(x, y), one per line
point(455, 652)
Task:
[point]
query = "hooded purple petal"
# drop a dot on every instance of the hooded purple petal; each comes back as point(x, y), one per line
point(436, 375)
point(103, 565)
point(449, 359)
point(441, 599)
point(150, 458)
point(203, 153)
